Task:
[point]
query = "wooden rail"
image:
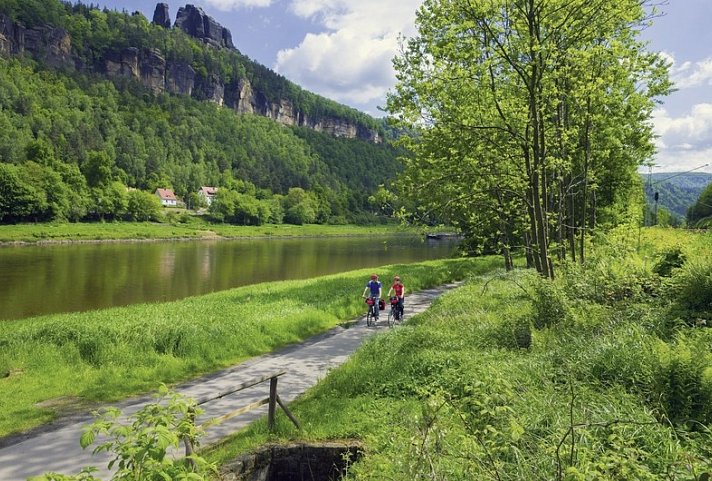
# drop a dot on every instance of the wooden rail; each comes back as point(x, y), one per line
point(273, 400)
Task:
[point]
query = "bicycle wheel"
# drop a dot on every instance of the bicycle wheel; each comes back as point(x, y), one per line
point(392, 318)
point(370, 321)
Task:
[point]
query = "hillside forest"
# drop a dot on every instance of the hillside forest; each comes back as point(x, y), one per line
point(77, 146)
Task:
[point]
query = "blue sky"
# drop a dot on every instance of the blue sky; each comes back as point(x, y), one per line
point(342, 49)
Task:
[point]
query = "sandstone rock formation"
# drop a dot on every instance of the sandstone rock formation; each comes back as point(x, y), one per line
point(161, 16)
point(53, 47)
point(47, 44)
point(196, 23)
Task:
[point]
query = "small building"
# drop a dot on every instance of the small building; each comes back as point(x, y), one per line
point(207, 194)
point(168, 197)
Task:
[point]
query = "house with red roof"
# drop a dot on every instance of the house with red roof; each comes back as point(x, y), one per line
point(207, 194)
point(167, 196)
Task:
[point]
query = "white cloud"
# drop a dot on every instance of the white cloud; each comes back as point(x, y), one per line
point(351, 61)
point(690, 74)
point(691, 128)
point(685, 142)
point(227, 5)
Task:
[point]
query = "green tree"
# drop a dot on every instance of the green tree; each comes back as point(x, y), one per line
point(98, 169)
point(701, 211)
point(528, 116)
point(18, 200)
point(142, 206)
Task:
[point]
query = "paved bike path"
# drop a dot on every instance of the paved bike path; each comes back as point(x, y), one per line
point(305, 364)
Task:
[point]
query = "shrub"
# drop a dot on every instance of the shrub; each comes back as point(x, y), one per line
point(142, 448)
point(670, 259)
point(142, 206)
point(683, 381)
point(550, 304)
point(691, 286)
point(513, 333)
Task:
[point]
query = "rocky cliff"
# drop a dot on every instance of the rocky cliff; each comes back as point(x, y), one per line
point(53, 47)
point(49, 45)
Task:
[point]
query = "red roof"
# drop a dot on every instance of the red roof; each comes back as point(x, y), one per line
point(166, 194)
point(209, 191)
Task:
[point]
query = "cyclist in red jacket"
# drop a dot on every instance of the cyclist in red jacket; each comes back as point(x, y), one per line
point(399, 290)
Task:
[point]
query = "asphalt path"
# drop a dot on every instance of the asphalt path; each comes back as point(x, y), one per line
point(55, 448)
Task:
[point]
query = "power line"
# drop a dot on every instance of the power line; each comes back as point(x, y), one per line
point(678, 174)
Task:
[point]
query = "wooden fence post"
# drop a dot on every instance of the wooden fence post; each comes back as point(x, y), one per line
point(272, 402)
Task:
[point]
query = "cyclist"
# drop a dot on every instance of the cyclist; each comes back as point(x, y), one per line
point(399, 290)
point(374, 286)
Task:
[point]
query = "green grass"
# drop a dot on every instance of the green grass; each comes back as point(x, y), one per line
point(194, 229)
point(68, 359)
point(450, 395)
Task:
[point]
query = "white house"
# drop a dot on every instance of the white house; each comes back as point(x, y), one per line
point(168, 197)
point(207, 194)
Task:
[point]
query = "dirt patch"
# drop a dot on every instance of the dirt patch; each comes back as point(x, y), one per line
point(12, 373)
point(64, 404)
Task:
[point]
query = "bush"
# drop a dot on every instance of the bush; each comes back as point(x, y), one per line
point(670, 259)
point(691, 286)
point(608, 281)
point(513, 333)
point(143, 206)
point(683, 381)
point(550, 304)
point(142, 448)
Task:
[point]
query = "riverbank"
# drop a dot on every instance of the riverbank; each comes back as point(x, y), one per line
point(54, 364)
point(604, 374)
point(44, 234)
point(303, 364)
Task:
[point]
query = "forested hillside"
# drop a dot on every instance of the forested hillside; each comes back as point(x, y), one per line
point(677, 192)
point(72, 140)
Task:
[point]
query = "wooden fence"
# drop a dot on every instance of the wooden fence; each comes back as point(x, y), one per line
point(273, 400)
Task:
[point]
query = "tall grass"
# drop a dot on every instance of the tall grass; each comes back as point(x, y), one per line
point(605, 390)
point(71, 359)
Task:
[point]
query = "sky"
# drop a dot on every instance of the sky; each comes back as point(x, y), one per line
point(342, 49)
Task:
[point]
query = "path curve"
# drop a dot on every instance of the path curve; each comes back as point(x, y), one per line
point(56, 449)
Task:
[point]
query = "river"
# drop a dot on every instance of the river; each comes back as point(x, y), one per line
point(81, 277)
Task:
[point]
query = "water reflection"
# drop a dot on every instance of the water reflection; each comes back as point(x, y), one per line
point(42, 280)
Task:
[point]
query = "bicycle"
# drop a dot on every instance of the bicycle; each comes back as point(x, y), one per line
point(396, 314)
point(372, 314)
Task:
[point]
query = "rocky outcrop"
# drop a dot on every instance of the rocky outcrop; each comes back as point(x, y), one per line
point(211, 89)
point(153, 71)
point(122, 64)
point(161, 16)
point(196, 23)
point(7, 36)
point(53, 47)
point(50, 45)
point(247, 100)
point(180, 79)
point(244, 99)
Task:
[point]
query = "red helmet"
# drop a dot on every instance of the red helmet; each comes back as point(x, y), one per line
point(374, 276)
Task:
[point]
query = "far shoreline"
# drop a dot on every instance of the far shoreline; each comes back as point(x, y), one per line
point(46, 235)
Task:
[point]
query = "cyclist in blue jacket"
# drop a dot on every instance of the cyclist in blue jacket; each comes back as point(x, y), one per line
point(375, 288)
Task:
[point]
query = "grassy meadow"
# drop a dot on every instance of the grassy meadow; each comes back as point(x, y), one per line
point(603, 374)
point(55, 363)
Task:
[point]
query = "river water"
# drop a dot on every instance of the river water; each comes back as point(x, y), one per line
point(81, 277)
